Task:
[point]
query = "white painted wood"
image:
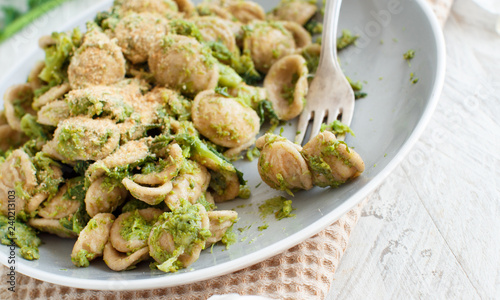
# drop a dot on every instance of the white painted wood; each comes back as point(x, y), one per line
point(432, 230)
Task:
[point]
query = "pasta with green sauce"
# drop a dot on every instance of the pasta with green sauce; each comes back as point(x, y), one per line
point(123, 138)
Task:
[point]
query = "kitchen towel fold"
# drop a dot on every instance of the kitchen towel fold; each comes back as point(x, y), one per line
point(302, 272)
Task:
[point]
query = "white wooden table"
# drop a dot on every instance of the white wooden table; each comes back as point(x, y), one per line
point(432, 229)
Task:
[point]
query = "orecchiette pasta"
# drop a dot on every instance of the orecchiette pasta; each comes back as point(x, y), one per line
point(267, 42)
point(130, 231)
point(216, 30)
point(53, 113)
point(220, 222)
point(104, 196)
point(281, 165)
point(52, 226)
point(299, 11)
point(60, 205)
point(331, 161)
point(174, 246)
point(192, 181)
point(137, 33)
point(82, 138)
point(16, 173)
point(51, 95)
point(224, 120)
point(246, 11)
point(286, 85)
point(182, 63)
point(99, 61)
point(17, 102)
point(118, 261)
point(92, 239)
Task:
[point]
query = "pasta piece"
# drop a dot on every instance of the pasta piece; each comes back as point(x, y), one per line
point(281, 165)
point(224, 120)
point(220, 222)
point(51, 95)
point(61, 205)
point(52, 226)
point(99, 101)
point(53, 113)
point(130, 231)
point(82, 138)
point(46, 41)
point(246, 11)
point(92, 239)
point(183, 64)
point(98, 61)
point(104, 196)
point(299, 11)
point(191, 183)
point(267, 42)
point(17, 173)
point(226, 186)
point(287, 86)
point(173, 165)
point(35, 201)
point(17, 102)
point(212, 9)
point(186, 7)
point(178, 237)
point(117, 261)
point(125, 155)
point(215, 29)
point(33, 79)
point(300, 35)
point(137, 33)
point(331, 161)
point(9, 138)
point(150, 195)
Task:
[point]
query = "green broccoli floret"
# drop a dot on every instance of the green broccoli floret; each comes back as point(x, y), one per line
point(32, 129)
point(57, 56)
point(228, 77)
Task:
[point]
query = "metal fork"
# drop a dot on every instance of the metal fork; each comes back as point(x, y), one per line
point(330, 94)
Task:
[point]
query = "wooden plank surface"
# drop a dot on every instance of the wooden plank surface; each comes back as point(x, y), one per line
point(432, 230)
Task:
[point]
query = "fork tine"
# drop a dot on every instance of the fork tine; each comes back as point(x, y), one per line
point(319, 115)
point(302, 126)
point(347, 112)
point(332, 116)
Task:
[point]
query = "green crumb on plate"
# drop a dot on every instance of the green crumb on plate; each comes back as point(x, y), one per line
point(279, 206)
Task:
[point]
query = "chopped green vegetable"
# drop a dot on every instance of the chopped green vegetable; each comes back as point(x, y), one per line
point(14, 232)
point(57, 56)
point(346, 39)
point(279, 206)
point(229, 237)
point(184, 226)
point(337, 127)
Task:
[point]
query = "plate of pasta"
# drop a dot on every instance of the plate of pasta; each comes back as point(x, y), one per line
point(151, 144)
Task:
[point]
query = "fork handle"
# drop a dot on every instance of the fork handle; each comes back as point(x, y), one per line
point(328, 40)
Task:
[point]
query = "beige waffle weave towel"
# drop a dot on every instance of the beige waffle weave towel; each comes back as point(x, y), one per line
point(302, 272)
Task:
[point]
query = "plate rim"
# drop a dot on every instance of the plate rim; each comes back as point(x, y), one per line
point(284, 244)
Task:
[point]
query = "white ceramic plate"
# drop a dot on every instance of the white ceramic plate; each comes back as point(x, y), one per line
point(387, 123)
